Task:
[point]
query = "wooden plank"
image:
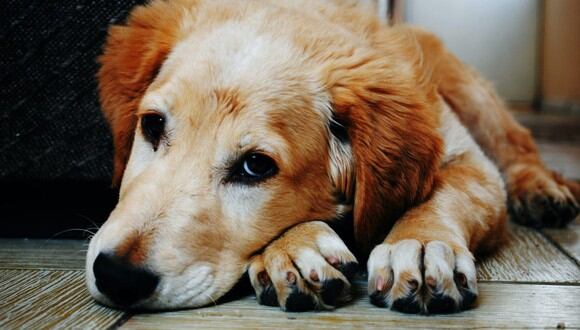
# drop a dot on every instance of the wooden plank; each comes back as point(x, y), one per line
point(42, 254)
point(528, 256)
point(33, 299)
point(501, 305)
point(567, 238)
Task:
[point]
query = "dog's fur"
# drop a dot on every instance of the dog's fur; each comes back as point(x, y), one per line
point(364, 122)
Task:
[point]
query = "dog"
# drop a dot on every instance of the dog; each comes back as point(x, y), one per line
point(287, 140)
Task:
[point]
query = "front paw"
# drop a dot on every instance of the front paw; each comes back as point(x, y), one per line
point(539, 197)
point(308, 268)
point(414, 278)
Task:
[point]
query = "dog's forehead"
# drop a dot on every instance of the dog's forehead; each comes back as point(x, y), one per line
point(236, 69)
point(233, 54)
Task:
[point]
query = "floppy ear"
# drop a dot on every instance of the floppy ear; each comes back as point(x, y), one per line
point(132, 57)
point(394, 141)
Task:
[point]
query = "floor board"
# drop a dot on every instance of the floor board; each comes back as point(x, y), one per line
point(528, 256)
point(42, 254)
point(43, 299)
point(501, 305)
point(567, 238)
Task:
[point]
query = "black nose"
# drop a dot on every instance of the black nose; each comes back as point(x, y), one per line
point(123, 283)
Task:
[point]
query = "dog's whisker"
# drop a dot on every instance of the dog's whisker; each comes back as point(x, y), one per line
point(92, 222)
point(210, 297)
point(82, 230)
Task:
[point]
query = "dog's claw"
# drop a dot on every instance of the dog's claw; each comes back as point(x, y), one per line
point(304, 274)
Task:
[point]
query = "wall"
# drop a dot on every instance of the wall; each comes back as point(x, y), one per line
point(499, 38)
point(561, 53)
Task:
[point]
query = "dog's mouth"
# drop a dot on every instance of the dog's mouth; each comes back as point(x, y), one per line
point(154, 285)
point(139, 289)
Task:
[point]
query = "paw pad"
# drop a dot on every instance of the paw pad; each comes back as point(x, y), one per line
point(408, 305)
point(331, 291)
point(299, 302)
point(441, 304)
point(268, 296)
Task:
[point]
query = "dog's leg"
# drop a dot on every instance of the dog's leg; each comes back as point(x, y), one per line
point(426, 262)
point(537, 195)
point(308, 267)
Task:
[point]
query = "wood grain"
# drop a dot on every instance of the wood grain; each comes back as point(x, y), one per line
point(42, 254)
point(501, 306)
point(567, 238)
point(528, 256)
point(33, 299)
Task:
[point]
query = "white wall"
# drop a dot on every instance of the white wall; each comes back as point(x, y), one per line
point(498, 37)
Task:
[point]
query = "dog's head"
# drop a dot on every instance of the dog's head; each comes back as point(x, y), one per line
point(228, 135)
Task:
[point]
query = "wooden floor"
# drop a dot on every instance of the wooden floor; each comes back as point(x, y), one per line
point(532, 282)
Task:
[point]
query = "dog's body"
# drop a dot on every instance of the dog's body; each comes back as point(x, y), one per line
point(243, 127)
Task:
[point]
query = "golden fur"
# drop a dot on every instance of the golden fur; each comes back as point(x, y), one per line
point(232, 76)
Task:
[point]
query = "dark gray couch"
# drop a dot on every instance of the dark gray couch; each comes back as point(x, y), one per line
point(55, 148)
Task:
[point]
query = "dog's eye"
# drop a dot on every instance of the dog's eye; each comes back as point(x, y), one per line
point(253, 168)
point(153, 127)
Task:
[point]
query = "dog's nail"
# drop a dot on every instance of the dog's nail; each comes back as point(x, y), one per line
point(314, 276)
point(413, 284)
point(333, 261)
point(291, 277)
point(380, 283)
point(431, 282)
point(461, 279)
point(263, 278)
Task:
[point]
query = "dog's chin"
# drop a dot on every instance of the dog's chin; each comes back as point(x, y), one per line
point(212, 296)
point(164, 299)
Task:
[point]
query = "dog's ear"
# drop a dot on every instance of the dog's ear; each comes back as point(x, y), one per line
point(132, 57)
point(393, 139)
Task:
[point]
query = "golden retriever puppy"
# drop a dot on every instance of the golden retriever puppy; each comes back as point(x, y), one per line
point(275, 137)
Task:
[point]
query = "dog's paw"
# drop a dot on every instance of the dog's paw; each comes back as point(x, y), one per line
point(539, 197)
point(308, 268)
point(414, 278)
